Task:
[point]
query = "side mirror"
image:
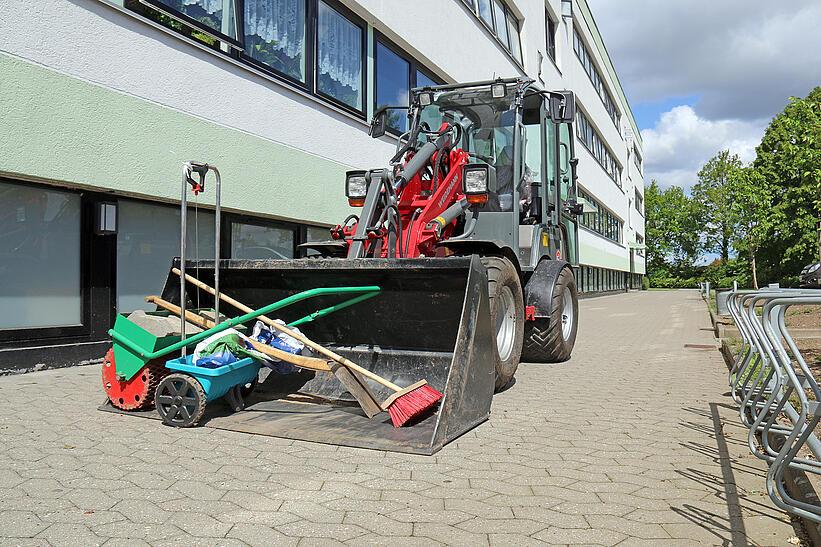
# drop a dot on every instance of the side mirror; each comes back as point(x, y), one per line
point(562, 106)
point(379, 123)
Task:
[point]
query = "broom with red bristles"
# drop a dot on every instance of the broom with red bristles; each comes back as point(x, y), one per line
point(405, 405)
point(409, 403)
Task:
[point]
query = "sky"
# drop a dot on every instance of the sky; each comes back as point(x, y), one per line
point(706, 75)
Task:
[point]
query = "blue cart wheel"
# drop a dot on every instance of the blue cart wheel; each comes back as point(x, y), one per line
point(180, 400)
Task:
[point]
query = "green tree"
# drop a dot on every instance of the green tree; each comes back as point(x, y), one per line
point(789, 159)
point(711, 195)
point(671, 230)
point(750, 195)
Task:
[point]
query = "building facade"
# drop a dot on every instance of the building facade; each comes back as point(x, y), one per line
point(103, 100)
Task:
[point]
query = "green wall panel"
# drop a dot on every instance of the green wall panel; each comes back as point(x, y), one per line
point(60, 128)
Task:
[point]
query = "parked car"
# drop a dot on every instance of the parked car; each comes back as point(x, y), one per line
point(811, 276)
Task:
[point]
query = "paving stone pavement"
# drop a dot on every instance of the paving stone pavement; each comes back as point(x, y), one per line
point(634, 441)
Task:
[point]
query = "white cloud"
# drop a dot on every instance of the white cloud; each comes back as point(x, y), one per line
point(682, 141)
point(741, 58)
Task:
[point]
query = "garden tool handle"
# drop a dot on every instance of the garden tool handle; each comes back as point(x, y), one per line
point(307, 341)
point(311, 363)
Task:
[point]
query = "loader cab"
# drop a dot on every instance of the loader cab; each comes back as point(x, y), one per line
point(525, 136)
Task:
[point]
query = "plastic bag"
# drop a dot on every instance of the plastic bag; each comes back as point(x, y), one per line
point(223, 348)
point(281, 341)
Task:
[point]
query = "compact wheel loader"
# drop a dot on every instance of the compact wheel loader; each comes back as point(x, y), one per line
point(487, 169)
point(468, 240)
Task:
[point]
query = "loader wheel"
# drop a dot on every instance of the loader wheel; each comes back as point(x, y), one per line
point(551, 340)
point(507, 312)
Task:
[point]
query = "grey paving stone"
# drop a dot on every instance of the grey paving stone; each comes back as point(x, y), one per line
point(199, 524)
point(449, 535)
point(261, 535)
point(142, 511)
point(619, 443)
point(380, 524)
point(70, 535)
point(304, 528)
point(578, 536)
point(20, 524)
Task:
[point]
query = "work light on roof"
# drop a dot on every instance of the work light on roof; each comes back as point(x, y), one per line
point(498, 90)
point(425, 98)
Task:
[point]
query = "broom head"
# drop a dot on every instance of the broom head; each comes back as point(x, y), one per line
point(411, 402)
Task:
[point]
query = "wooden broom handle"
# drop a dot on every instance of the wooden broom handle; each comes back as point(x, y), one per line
point(311, 363)
point(282, 328)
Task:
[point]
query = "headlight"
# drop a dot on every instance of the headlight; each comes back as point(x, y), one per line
point(475, 182)
point(356, 187)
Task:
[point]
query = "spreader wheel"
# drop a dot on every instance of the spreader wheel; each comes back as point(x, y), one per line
point(134, 394)
point(180, 400)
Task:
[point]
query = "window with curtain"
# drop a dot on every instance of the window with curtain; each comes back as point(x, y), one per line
point(39, 257)
point(392, 85)
point(339, 57)
point(275, 35)
point(214, 14)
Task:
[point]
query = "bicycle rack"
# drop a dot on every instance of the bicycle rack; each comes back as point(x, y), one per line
point(768, 375)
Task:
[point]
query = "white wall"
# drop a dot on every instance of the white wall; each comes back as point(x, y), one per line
point(93, 41)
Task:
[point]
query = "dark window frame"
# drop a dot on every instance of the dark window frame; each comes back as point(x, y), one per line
point(594, 74)
point(492, 26)
point(229, 219)
point(21, 337)
point(310, 50)
point(603, 222)
point(237, 47)
point(585, 128)
point(551, 29)
point(414, 66)
point(162, 7)
point(342, 10)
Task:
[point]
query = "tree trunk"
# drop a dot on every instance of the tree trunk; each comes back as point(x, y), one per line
point(725, 249)
point(755, 272)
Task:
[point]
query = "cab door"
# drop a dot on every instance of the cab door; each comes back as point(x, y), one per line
point(568, 222)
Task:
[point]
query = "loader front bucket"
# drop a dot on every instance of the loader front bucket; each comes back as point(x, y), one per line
point(431, 321)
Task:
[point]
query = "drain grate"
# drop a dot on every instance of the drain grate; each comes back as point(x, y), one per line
point(700, 346)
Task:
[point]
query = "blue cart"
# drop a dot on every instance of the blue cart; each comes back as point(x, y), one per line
point(182, 395)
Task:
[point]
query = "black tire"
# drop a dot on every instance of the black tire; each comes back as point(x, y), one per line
point(501, 275)
point(180, 400)
point(546, 341)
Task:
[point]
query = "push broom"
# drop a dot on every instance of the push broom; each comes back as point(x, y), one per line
point(404, 405)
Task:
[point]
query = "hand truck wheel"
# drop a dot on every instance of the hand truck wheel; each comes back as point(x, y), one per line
point(180, 400)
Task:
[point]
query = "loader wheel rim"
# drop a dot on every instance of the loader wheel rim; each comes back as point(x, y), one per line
point(567, 313)
point(505, 323)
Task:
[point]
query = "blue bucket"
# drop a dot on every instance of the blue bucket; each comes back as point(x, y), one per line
point(217, 381)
